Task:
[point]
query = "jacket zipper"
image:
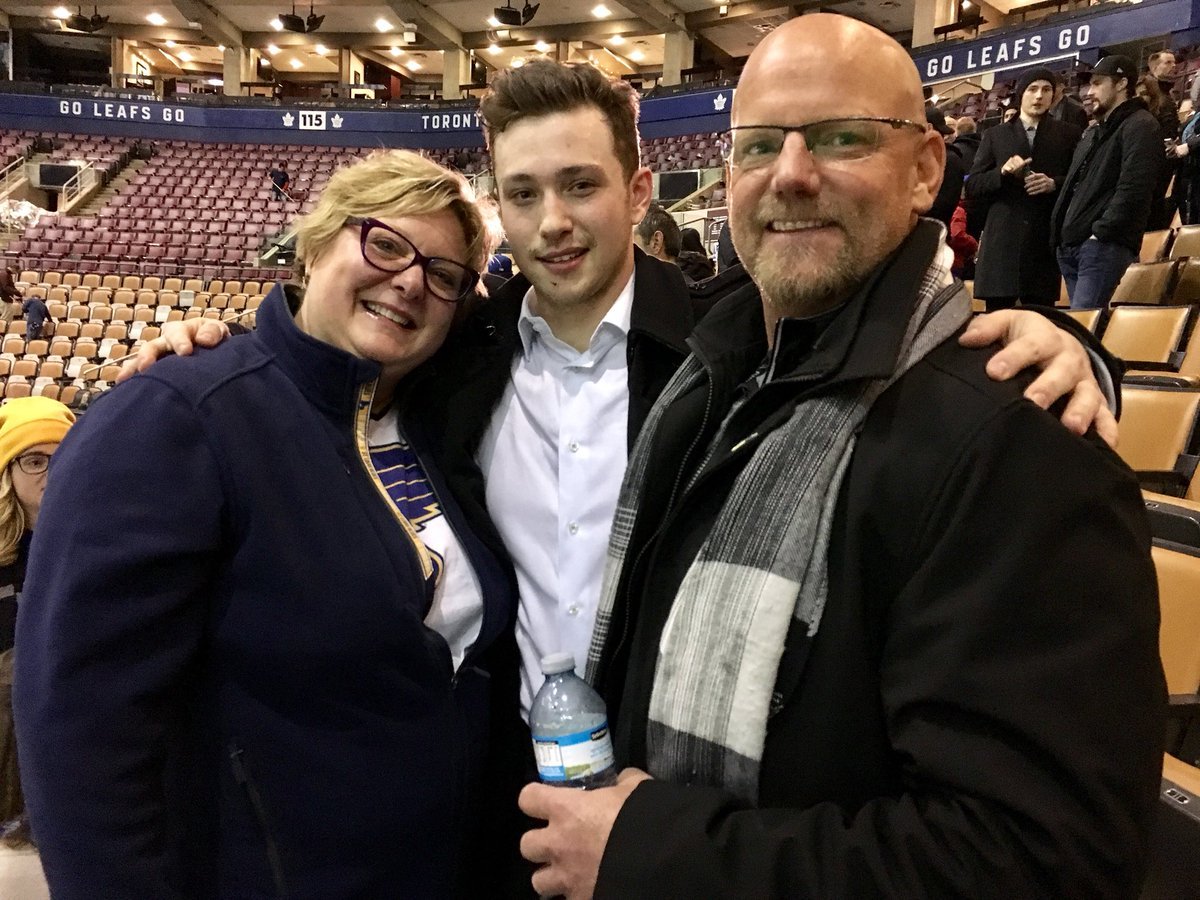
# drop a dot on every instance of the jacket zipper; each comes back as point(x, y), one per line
point(242, 777)
point(362, 416)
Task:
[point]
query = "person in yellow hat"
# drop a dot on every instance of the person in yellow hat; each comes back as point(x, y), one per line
point(30, 431)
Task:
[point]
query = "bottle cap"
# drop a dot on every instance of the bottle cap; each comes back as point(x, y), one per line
point(557, 663)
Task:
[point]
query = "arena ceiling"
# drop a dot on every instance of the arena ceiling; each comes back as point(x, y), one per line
point(187, 36)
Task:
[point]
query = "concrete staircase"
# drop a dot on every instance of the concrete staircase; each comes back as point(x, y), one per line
point(99, 200)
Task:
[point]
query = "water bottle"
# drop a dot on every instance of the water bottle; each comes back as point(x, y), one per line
point(570, 729)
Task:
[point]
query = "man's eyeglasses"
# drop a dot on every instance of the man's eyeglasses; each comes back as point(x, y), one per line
point(389, 251)
point(34, 463)
point(830, 140)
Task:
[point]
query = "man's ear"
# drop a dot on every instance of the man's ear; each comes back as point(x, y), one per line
point(656, 244)
point(930, 170)
point(641, 192)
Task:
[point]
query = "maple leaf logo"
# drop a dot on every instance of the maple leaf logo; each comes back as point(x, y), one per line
point(337, 120)
point(289, 120)
point(719, 103)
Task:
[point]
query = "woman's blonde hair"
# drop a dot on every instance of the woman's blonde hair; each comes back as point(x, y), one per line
point(395, 183)
point(12, 517)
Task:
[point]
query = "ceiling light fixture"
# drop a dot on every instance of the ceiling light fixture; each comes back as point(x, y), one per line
point(61, 12)
point(542, 47)
point(87, 24)
point(412, 65)
point(277, 25)
point(320, 49)
point(410, 37)
point(293, 22)
point(272, 49)
point(518, 62)
point(616, 40)
point(295, 63)
point(185, 56)
point(382, 24)
point(637, 54)
point(507, 15)
point(600, 11)
point(156, 19)
point(395, 51)
point(171, 44)
point(493, 49)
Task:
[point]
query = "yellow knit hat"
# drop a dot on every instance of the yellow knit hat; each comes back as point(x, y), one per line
point(27, 421)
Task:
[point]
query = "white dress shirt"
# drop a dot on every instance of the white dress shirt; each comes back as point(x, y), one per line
point(553, 458)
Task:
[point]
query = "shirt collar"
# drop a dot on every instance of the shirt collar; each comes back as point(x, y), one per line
point(530, 325)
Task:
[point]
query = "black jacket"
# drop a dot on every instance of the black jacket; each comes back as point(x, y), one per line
point(951, 189)
point(1015, 258)
point(471, 374)
point(1110, 186)
point(957, 729)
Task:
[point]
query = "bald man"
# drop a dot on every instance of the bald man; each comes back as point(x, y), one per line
point(872, 625)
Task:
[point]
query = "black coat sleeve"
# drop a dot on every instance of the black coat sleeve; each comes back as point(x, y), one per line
point(985, 180)
point(1023, 697)
point(1141, 164)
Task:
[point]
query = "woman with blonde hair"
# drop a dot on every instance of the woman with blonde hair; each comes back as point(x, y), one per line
point(276, 684)
point(30, 431)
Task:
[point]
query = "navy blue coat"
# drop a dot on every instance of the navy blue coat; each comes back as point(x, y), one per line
point(226, 686)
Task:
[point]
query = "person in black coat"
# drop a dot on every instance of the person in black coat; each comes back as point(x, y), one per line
point(1104, 203)
point(955, 172)
point(1019, 181)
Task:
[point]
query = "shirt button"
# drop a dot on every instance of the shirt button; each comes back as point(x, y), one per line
point(573, 528)
point(573, 609)
point(573, 446)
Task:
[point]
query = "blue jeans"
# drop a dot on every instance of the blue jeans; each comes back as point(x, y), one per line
point(1092, 271)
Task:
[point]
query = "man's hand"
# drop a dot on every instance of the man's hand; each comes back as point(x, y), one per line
point(176, 337)
point(1037, 183)
point(1030, 339)
point(578, 824)
point(1181, 150)
point(1014, 164)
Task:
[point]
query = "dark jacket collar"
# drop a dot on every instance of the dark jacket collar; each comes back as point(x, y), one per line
point(330, 378)
point(861, 341)
point(1120, 114)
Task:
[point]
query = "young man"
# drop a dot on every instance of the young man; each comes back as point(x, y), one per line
point(1104, 202)
point(836, 691)
point(1017, 174)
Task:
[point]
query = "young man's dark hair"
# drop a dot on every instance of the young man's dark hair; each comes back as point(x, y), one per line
point(658, 219)
point(542, 87)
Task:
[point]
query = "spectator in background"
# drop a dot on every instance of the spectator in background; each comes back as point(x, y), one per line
point(1161, 64)
point(1149, 92)
point(1017, 174)
point(966, 140)
point(693, 258)
point(658, 234)
point(950, 192)
point(1104, 203)
point(1187, 153)
point(280, 181)
point(36, 314)
point(31, 429)
point(499, 270)
point(9, 292)
point(727, 256)
point(21, 876)
point(1010, 113)
point(1068, 108)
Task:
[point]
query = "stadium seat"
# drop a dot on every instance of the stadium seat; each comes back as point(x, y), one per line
point(1178, 574)
point(1088, 318)
point(1145, 283)
point(1147, 336)
point(1187, 242)
point(1157, 432)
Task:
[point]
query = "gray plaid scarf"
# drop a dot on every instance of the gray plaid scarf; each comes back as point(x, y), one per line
point(762, 565)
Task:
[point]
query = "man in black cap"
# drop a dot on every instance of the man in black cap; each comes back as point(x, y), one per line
point(1018, 172)
point(1104, 204)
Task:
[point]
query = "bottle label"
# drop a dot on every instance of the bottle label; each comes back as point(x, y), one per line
point(569, 757)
